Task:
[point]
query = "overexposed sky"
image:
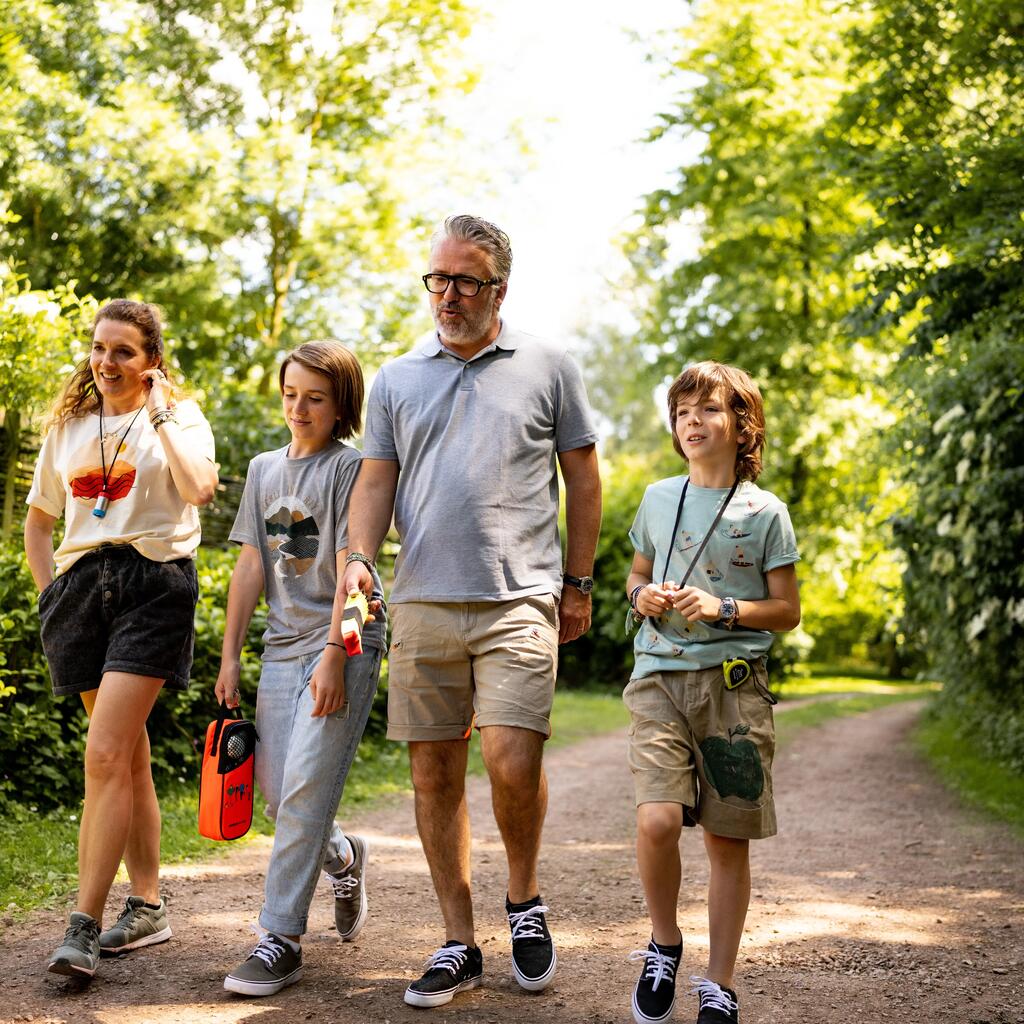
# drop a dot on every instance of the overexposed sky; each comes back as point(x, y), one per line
point(565, 78)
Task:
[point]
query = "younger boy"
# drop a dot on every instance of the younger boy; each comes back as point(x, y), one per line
point(702, 735)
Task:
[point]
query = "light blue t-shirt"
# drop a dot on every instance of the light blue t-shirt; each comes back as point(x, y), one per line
point(754, 536)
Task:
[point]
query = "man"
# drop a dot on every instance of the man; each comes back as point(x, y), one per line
point(465, 430)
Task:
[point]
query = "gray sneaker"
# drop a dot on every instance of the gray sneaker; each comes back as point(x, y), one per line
point(137, 926)
point(350, 904)
point(79, 954)
point(272, 966)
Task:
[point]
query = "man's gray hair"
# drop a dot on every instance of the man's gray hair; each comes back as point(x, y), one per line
point(464, 227)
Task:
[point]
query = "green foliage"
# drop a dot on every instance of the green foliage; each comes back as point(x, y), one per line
point(768, 287)
point(986, 782)
point(934, 136)
point(253, 167)
point(42, 743)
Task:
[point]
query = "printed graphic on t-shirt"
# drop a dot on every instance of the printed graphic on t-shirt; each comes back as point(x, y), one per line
point(292, 536)
point(740, 559)
point(85, 477)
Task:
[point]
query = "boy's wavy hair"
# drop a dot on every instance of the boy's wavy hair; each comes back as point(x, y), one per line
point(79, 396)
point(740, 393)
point(339, 365)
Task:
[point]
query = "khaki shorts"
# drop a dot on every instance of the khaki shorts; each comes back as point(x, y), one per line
point(695, 743)
point(489, 661)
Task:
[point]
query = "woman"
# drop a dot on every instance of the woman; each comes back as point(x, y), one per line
point(126, 466)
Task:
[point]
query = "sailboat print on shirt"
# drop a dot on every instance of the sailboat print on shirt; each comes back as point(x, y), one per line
point(739, 559)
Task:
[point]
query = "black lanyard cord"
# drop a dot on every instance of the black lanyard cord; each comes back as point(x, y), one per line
point(707, 536)
point(117, 447)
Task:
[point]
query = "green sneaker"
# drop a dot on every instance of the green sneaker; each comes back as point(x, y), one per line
point(79, 954)
point(271, 966)
point(137, 926)
point(350, 905)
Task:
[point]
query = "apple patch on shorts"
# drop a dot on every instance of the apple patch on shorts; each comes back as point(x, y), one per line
point(733, 766)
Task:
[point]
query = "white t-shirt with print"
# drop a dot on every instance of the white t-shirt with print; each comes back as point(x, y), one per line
point(144, 510)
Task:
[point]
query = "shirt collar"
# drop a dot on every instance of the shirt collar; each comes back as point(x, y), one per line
point(505, 340)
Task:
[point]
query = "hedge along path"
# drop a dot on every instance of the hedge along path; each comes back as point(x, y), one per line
point(881, 900)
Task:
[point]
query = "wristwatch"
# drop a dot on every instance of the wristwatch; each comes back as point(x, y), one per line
point(728, 614)
point(584, 584)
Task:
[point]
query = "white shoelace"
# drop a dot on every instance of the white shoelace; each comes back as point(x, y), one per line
point(660, 966)
point(344, 887)
point(525, 924)
point(269, 949)
point(712, 995)
point(447, 958)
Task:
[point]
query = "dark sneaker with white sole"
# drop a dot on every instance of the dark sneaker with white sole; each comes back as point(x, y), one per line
point(139, 925)
point(271, 966)
point(718, 1005)
point(78, 955)
point(452, 969)
point(533, 953)
point(350, 905)
point(654, 995)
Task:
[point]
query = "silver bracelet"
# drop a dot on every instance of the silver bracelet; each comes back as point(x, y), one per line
point(162, 417)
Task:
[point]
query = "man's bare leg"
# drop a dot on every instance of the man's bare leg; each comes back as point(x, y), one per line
point(519, 794)
point(439, 781)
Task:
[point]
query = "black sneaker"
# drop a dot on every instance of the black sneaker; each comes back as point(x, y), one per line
point(533, 953)
point(78, 955)
point(270, 967)
point(453, 968)
point(654, 995)
point(718, 1005)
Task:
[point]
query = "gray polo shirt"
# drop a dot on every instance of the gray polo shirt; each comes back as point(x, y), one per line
point(477, 502)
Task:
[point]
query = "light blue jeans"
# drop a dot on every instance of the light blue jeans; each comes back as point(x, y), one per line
point(301, 767)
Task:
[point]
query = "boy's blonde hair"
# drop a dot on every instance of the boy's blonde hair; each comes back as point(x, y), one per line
point(339, 365)
point(740, 393)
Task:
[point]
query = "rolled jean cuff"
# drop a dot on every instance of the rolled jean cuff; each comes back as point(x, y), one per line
point(283, 925)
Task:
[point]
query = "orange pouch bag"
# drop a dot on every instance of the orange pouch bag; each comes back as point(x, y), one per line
point(226, 782)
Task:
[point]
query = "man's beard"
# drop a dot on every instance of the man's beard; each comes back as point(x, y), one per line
point(472, 326)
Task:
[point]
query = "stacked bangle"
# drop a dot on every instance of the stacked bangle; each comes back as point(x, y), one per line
point(160, 416)
point(633, 595)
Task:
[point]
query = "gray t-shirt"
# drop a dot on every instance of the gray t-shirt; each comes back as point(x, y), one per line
point(295, 513)
point(476, 440)
point(753, 537)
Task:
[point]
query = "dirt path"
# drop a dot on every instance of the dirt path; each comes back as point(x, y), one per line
point(881, 900)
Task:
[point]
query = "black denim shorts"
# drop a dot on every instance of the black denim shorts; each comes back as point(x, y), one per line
point(116, 611)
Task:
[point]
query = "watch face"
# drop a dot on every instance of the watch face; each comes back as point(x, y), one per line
point(586, 584)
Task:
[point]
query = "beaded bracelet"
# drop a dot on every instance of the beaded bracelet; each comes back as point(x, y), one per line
point(358, 556)
point(633, 595)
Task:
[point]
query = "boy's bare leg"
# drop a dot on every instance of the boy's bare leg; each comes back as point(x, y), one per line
point(728, 899)
point(519, 795)
point(658, 826)
point(442, 818)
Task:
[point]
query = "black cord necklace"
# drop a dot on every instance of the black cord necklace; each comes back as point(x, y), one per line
point(104, 498)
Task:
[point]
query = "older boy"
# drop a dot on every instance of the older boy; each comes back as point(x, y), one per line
point(702, 735)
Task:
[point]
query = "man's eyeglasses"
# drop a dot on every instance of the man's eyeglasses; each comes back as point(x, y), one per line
point(466, 286)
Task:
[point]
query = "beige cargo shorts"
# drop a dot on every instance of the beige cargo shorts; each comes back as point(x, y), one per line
point(695, 743)
point(482, 662)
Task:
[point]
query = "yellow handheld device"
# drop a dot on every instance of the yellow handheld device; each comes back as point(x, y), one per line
point(352, 620)
point(737, 672)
